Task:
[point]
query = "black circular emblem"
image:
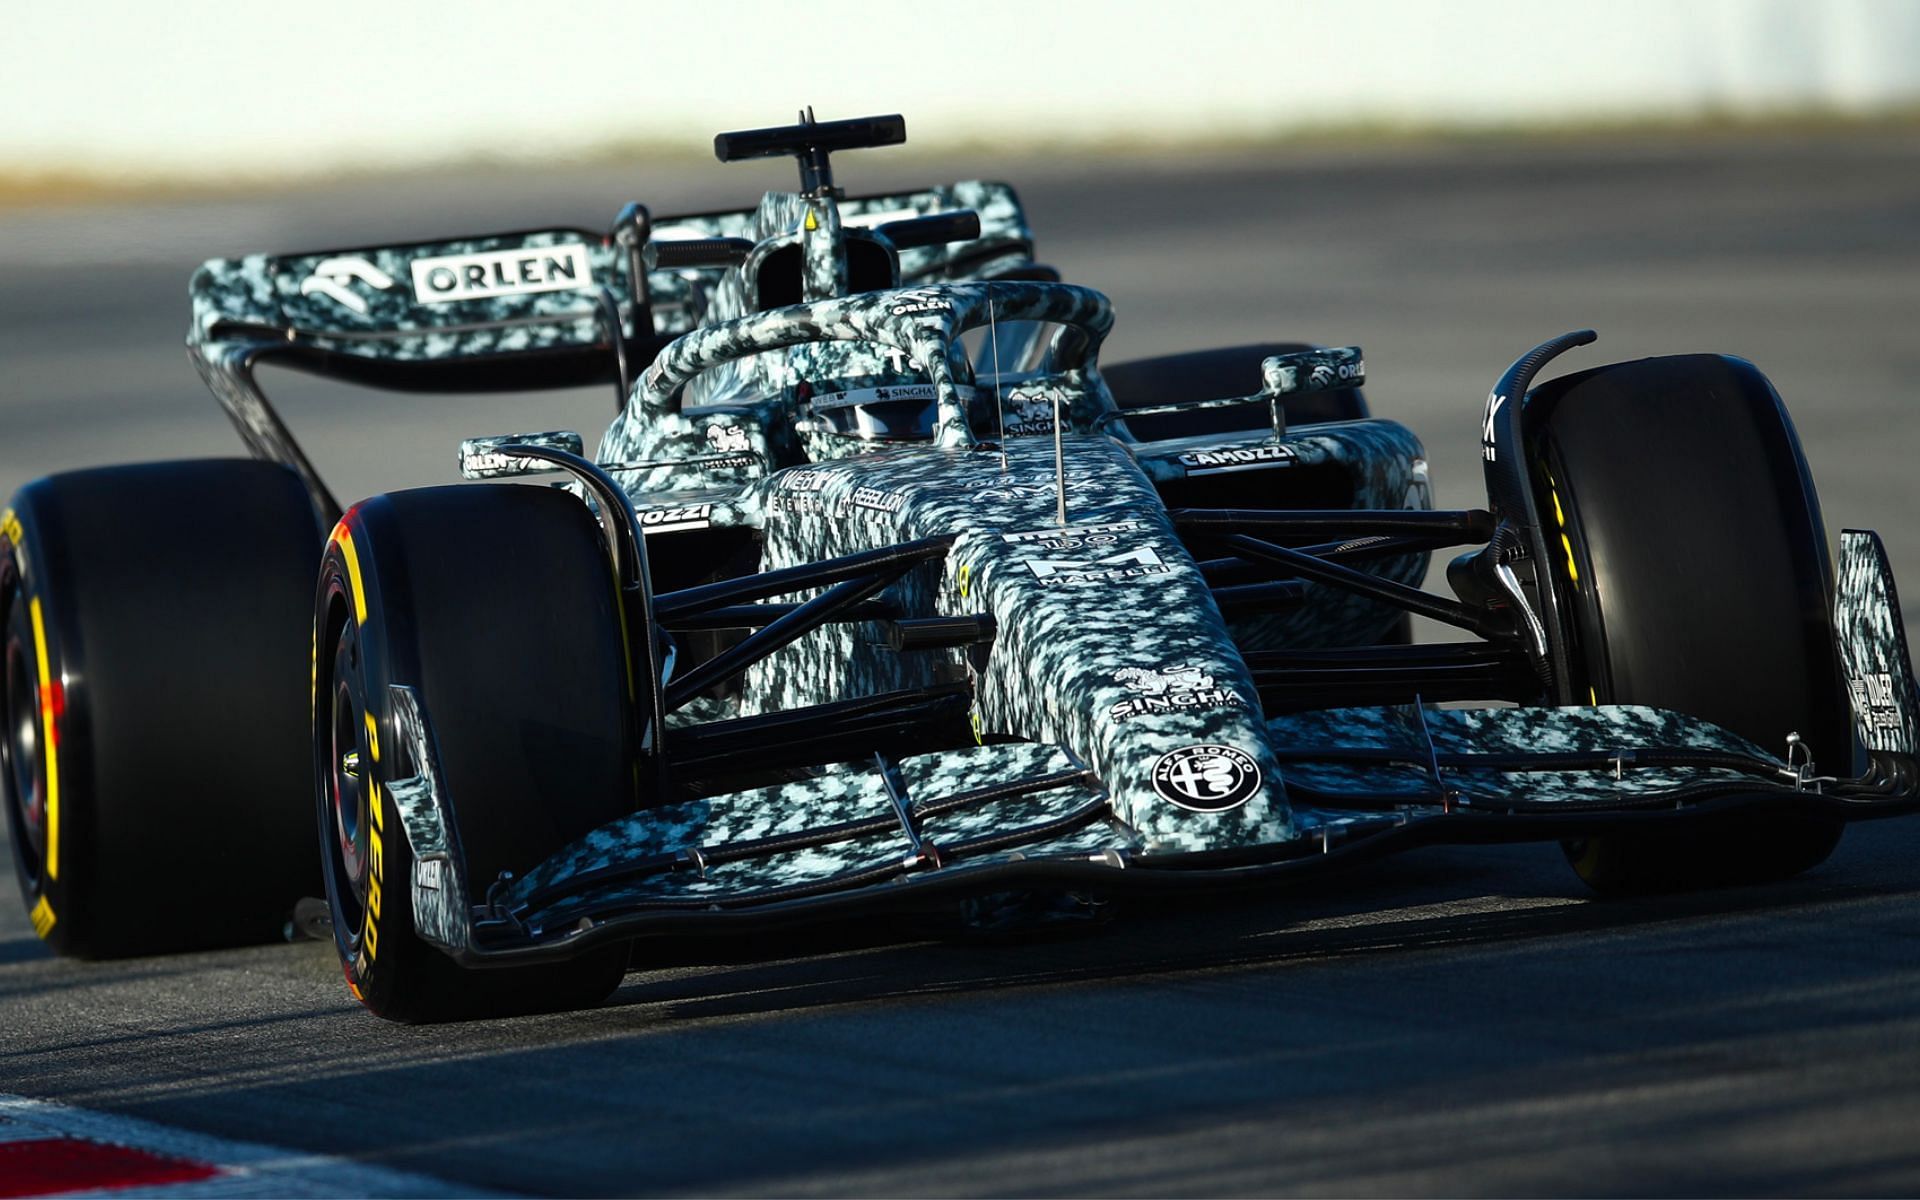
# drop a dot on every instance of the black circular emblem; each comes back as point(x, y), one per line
point(1206, 778)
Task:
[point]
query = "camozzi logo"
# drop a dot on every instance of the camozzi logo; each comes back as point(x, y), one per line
point(1247, 458)
point(493, 273)
point(663, 520)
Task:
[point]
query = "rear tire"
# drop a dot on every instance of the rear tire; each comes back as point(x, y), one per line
point(1696, 578)
point(1212, 375)
point(496, 604)
point(155, 761)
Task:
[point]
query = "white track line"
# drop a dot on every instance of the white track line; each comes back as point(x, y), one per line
point(246, 1168)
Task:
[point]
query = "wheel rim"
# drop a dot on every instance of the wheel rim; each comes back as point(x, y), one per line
point(349, 777)
point(20, 734)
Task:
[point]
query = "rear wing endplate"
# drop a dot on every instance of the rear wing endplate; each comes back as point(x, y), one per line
point(539, 308)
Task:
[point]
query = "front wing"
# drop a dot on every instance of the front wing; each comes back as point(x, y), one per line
point(995, 821)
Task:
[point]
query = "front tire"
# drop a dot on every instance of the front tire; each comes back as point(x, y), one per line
point(496, 605)
point(1696, 575)
point(153, 711)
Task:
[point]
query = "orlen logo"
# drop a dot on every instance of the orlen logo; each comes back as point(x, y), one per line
point(1325, 375)
point(333, 277)
point(919, 300)
point(501, 273)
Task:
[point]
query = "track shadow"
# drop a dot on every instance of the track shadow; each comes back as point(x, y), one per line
point(23, 949)
point(1396, 907)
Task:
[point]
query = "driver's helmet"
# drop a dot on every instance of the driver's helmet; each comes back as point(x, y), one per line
point(867, 391)
point(895, 412)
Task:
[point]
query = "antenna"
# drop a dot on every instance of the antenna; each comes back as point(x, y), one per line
point(1059, 461)
point(999, 404)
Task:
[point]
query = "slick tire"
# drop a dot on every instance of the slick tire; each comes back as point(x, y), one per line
point(153, 749)
point(1696, 575)
point(496, 605)
point(1211, 375)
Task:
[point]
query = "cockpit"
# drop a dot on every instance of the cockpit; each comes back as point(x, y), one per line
point(901, 412)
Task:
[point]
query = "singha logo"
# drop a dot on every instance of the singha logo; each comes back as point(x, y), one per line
point(728, 439)
point(1168, 679)
point(1028, 414)
point(1168, 689)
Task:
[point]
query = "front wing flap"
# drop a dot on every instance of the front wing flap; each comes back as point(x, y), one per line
point(925, 830)
point(935, 829)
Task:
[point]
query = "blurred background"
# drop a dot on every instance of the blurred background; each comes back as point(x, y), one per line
point(1445, 185)
point(197, 90)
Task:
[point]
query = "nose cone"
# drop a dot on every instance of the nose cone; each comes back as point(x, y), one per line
point(1109, 642)
point(1111, 645)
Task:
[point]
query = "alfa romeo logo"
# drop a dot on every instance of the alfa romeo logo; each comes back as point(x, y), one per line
point(1206, 778)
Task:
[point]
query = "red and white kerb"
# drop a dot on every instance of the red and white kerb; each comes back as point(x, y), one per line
point(54, 1150)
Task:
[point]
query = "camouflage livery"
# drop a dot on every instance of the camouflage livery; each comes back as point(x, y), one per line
point(568, 299)
point(1068, 676)
point(1873, 647)
point(382, 302)
point(674, 836)
point(375, 303)
point(438, 888)
point(806, 392)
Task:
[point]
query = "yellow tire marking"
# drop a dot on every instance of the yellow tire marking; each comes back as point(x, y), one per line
point(1566, 543)
point(49, 737)
point(10, 526)
point(344, 538)
point(1591, 858)
point(377, 867)
point(42, 917)
point(373, 737)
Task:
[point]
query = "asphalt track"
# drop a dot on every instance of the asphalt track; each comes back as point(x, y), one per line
point(1458, 1021)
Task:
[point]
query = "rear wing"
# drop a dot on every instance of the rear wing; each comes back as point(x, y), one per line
point(524, 311)
point(539, 308)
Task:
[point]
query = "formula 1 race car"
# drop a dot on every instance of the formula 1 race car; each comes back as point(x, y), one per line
point(882, 595)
